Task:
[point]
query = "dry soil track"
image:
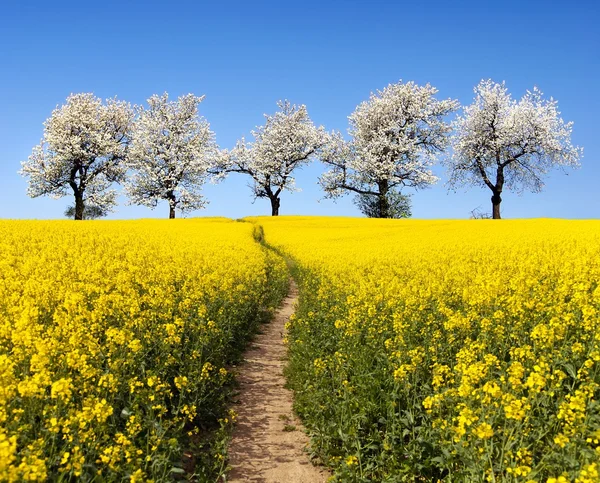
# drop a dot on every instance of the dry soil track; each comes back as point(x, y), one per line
point(265, 447)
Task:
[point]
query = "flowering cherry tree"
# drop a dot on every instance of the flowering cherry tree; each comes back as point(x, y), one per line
point(395, 137)
point(502, 143)
point(82, 151)
point(287, 141)
point(171, 151)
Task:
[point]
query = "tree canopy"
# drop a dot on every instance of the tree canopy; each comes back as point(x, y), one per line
point(287, 141)
point(395, 138)
point(172, 149)
point(82, 151)
point(501, 143)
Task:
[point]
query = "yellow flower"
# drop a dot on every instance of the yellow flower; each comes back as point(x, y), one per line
point(181, 382)
point(561, 440)
point(61, 389)
point(137, 476)
point(206, 370)
point(483, 431)
point(135, 345)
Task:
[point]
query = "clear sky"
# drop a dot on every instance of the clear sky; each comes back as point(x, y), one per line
point(329, 55)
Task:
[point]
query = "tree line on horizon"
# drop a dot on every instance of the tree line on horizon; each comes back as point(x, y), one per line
point(166, 151)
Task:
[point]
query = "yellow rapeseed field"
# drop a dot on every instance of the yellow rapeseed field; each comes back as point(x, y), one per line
point(459, 351)
point(114, 337)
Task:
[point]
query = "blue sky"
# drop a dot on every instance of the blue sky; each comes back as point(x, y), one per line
point(244, 56)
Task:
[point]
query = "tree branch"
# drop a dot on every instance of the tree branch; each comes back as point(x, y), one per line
point(484, 175)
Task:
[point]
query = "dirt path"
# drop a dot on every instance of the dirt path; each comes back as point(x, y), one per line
point(268, 441)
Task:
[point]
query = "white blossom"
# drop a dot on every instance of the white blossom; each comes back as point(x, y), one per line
point(503, 143)
point(395, 138)
point(83, 146)
point(171, 151)
point(287, 141)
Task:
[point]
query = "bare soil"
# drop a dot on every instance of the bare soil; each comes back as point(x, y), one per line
point(268, 443)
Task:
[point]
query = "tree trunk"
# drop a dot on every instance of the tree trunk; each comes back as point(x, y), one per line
point(497, 190)
point(172, 204)
point(275, 203)
point(79, 206)
point(496, 200)
point(383, 204)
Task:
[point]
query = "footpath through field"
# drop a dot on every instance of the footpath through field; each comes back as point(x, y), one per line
point(268, 442)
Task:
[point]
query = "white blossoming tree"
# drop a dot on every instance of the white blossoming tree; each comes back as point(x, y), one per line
point(287, 141)
point(82, 151)
point(501, 143)
point(395, 137)
point(171, 150)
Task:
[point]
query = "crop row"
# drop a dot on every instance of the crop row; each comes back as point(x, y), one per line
point(115, 339)
point(459, 351)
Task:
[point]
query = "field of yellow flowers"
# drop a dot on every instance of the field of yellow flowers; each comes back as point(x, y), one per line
point(458, 351)
point(114, 342)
